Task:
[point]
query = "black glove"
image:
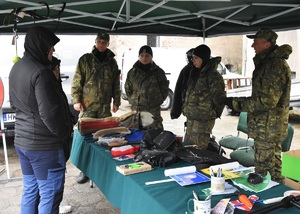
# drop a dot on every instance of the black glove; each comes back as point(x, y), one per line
point(228, 102)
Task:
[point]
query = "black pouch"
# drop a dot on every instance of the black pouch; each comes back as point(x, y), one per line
point(148, 137)
point(164, 140)
point(156, 157)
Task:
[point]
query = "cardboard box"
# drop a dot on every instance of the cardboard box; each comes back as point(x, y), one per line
point(290, 164)
point(292, 183)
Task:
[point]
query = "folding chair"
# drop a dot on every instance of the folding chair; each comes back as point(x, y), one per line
point(235, 142)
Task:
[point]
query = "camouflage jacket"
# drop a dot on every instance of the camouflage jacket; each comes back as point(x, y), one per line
point(205, 94)
point(268, 106)
point(96, 82)
point(147, 89)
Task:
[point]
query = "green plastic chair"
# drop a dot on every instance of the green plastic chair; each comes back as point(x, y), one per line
point(245, 156)
point(235, 142)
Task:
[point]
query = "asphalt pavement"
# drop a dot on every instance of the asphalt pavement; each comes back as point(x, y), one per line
point(83, 198)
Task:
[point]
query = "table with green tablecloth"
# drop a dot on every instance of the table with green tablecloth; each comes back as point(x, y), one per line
point(132, 196)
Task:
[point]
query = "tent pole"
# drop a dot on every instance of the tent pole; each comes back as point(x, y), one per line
point(4, 144)
point(2, 132)
point(203, 29)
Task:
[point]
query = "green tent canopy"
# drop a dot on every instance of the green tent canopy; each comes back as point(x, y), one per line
point(208, 18)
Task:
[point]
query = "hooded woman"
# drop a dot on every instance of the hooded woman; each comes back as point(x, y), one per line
point(43, 124)
point(204, 99)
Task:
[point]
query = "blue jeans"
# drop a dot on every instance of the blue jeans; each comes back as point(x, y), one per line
point(43, 180)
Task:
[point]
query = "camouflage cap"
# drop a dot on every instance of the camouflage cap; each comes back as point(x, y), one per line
point(265, 33)
point(103, 36)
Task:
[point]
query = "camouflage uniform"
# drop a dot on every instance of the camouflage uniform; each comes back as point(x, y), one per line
point(147, 90)
point(268, 108)
point(203, 103)
point(95, 83)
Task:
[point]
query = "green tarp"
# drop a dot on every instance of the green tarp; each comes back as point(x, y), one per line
point(208, 18)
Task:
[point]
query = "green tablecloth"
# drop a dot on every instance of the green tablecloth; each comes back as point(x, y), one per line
point(132, 196)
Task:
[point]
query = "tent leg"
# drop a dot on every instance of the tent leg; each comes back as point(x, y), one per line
point(5, 150)
point(5, 155)
point(4, 145)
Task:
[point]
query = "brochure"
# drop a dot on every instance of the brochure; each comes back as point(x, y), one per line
point(190, 178)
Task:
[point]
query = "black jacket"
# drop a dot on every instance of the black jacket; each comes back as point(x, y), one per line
point(42, 116)
point(180, 89)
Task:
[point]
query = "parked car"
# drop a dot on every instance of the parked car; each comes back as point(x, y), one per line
point(171, 60)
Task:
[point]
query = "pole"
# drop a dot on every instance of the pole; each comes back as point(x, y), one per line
point(4, 144)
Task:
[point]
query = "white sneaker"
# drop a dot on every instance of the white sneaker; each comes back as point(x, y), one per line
point(65, 209)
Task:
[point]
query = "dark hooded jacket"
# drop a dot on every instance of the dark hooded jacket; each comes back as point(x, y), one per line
point(42, 118)
point(268, 106)
point(179, 92)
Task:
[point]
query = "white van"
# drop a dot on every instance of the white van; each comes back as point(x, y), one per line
point(171, 60)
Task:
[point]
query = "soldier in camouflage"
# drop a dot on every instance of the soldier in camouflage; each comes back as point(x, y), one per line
point(204, 99)
point(147, 86)
point(268, 106)
point(96, 82)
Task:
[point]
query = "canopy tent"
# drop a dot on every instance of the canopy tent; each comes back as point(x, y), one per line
point(206, 18)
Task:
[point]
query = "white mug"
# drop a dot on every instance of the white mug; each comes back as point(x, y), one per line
point(217, 184)
point(200, 207)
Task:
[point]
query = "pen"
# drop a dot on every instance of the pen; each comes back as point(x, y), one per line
point(219, 172)
point(195, 196)
point(208, 197)
point(212, 174)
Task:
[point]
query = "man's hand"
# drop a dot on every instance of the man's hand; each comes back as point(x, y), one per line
point(78, 107)
point(228, 102)
point(115, 108)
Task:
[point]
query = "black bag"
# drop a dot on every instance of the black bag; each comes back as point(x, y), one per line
point(157, 148)
point(159, 139)
point(201, 158)
point(156, 157)
point(164, 140)
point(214, 146)
point(149, 136)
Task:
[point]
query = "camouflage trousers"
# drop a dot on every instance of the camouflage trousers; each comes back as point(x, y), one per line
point(100, 111)
point(157, 118)
point(198, 133)
point(268, 159)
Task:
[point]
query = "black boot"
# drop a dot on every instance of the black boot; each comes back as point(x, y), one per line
point(82, 178)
